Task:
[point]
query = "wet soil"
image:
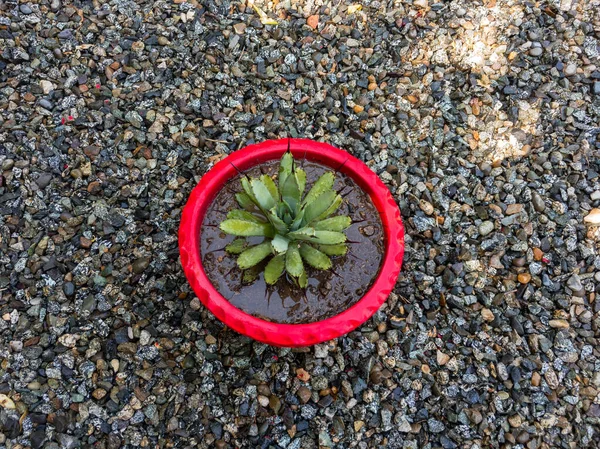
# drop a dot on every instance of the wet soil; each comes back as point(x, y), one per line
point(328, 292)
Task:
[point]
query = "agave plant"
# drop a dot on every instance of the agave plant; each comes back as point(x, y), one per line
point(298, 228)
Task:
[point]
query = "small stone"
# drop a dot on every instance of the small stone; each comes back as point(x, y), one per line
point(6, 402)
point(485, 228)
point(134, 118)
point(313, 21)
point(304, 394)
point(85, 242)
point(47, 86)
point(512, 209)
point(240, 28)
point(421, 3)
point(536, 51)
point(538, 202)
point(140, 265)
point(487, 315)
point(559, 324)
point(593, 218)
point(524, 278)
point(69, 289)
point(574, 283)
point(515, 420)
point(535, 379)
point(358, 425)
point(570, 69)
point(442, 358)
point(426, 207)
point(302, 374)
point(69, 340)
point(263, 400)
point(99, 393)
point(358, 109)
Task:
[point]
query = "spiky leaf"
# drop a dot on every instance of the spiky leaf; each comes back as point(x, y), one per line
point(270, 184)
point(297, 223)
point(237, 246)
point(280, 244)
point(314, 257)
point(248, 188)
point(331, 209)
point(291, 192)
point(251, 274)
point(318, 206)
point(243, 228)
point(254, 255)
point(293, 261)
point(334, 250)
point(301, 180)
point(244, 215)
point(338, 223)
point(263, 197)
point(309, 234)
point(274, 269)
point(303, 280)
point(285, 169)
point(323, 184)
point(281, 227)
point(244, 201)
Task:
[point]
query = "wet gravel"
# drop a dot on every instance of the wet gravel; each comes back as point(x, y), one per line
point(483, 119)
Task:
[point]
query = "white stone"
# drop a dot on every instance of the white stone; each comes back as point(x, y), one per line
point(593, 217)
point(47, 86)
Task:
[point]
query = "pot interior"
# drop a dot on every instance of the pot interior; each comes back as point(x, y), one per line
point(329, 292)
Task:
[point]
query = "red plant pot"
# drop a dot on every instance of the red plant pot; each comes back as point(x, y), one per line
point(290, 335)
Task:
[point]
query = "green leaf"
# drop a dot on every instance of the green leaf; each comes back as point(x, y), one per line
point(270, 184)
point(301, 180)
point(334, 250)
point(280, 225)
point(331, 209)
point(274, 269)
point(237, 246)
point(254, 255)
point(244, 228)
point(297, 221)
point(280, 244)
point(338, 223)
point(314, 257)
point(244, 215)
point(251, 274)
point(318, 206)
point(248, 188)
point(293, 261)
point(262, 195)
point(244, 201)
point(323, 184)
point(286, 165)
point(303, 280)
point(329, 237)
point(309, 234)
point(290, 192)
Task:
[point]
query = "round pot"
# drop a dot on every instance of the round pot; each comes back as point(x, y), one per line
point(291, 335)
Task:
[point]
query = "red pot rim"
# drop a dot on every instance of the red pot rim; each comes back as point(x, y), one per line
point(291, 335)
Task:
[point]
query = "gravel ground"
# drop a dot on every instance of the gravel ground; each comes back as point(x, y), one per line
point(482, 117)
